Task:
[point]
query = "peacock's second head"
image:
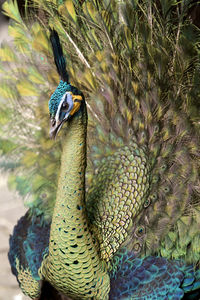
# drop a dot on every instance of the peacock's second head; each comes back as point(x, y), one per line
point(64, 103)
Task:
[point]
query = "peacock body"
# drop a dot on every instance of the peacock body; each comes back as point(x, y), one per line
point(131, 229)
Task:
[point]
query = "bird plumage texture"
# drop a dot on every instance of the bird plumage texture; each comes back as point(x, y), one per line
point(138, 213)
point(150, 278)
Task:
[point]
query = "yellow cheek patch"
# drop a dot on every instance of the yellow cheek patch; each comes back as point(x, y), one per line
point(76, 104)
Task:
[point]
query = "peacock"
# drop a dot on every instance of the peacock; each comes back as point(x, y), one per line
point(115, 215)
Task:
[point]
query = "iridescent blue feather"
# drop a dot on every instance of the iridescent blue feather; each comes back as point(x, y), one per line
point(29, 243)
point(151, 278)
point(61, 89)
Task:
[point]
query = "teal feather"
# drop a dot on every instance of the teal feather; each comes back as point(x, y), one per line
point(29, 243)
point(54, 101)
point(150, 277)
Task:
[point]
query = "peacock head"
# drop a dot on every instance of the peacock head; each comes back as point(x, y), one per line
point(64, 104)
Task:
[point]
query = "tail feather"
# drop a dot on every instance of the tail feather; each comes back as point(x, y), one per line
point(58, 56)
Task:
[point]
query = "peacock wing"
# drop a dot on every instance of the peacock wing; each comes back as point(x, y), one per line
point(152, 277)
point(28, 247)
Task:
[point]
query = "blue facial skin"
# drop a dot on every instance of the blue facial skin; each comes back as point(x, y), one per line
point(55, 99)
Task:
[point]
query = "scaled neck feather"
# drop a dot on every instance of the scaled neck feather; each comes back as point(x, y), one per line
point(73, 265)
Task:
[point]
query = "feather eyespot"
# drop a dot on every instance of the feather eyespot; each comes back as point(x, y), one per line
point(130, 131)
point(43, 196)
point(147, 203)
point(140, 231)
point(155, 179)
point(154, 196)
point(137, 247)
point(166, 189)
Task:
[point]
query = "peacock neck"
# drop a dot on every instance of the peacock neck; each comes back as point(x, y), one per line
point(71, 185)
point(73, 265)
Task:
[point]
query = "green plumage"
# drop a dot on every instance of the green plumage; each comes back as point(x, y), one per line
point(123, 180)
point(137, 64)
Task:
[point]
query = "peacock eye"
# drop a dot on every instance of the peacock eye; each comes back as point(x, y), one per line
point(53, 122)
point(65, 106)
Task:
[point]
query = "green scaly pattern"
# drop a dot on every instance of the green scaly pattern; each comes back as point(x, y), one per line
point(117, 196)
point(73, 265)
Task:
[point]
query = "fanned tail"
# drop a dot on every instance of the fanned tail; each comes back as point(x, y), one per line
point(58, 56)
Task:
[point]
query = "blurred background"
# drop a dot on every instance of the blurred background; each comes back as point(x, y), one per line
point(11, 210)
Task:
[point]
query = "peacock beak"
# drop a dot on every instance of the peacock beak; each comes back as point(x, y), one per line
point(63, 111)
point(54, 129)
